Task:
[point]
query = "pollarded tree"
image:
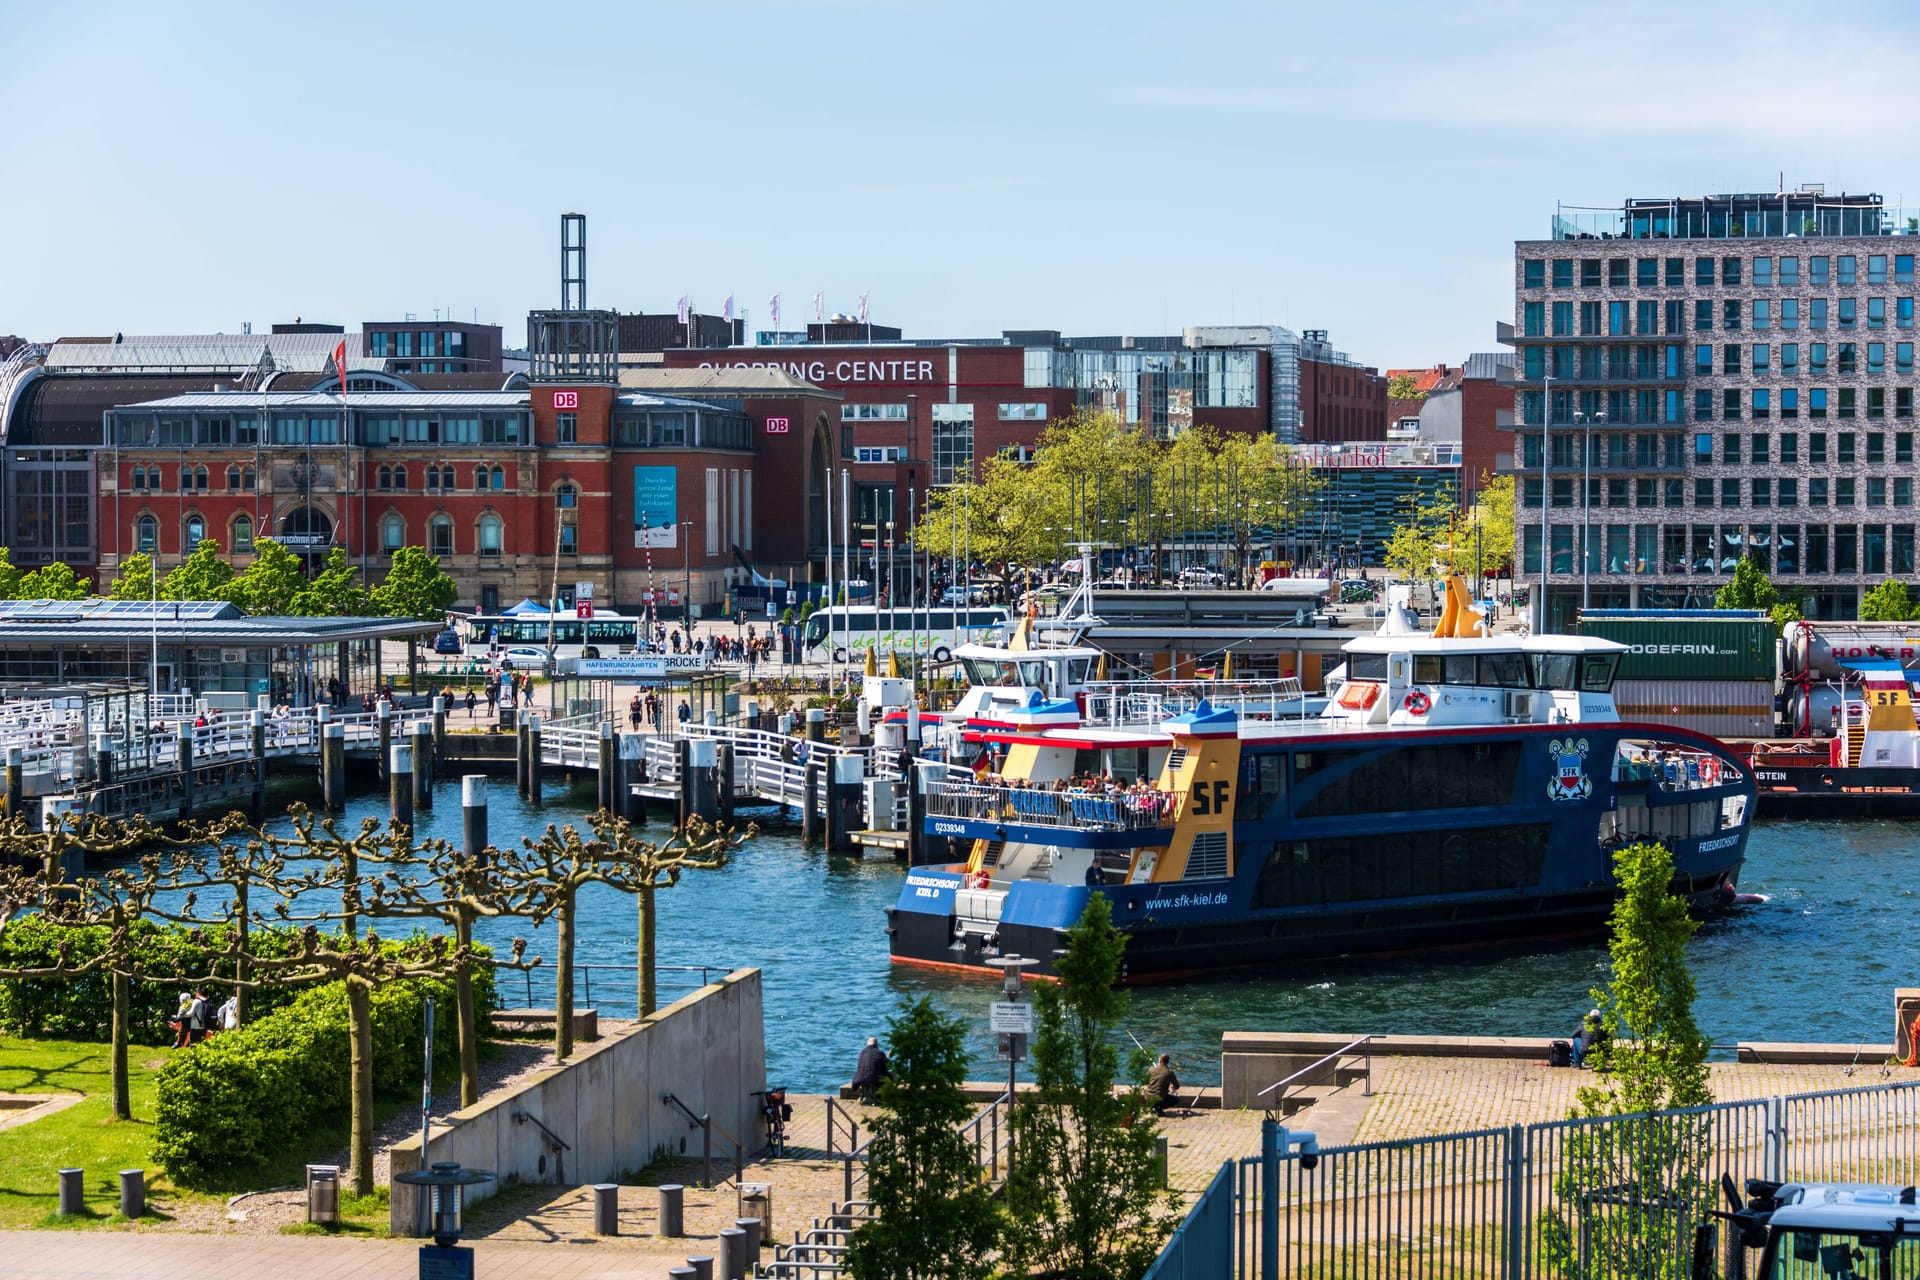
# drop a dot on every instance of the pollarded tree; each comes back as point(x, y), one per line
point(934, 1215)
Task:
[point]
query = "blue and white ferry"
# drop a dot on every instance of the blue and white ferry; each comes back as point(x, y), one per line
point(1454, 792)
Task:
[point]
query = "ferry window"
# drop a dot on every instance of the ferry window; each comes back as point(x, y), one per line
point(1300, 873)
point(1460, 668)
point(1504, 670)
point(1078, 670)
point(1596, 672)
point(1367, 666)
point(1455, 776)
point(1033, 674)
point(1428, 668)
point(1263, 786)
point(1552, 670)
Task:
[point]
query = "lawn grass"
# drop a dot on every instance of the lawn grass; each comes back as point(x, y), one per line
point(84, 1136)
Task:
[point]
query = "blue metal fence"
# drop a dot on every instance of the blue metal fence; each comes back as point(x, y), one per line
point(1202, 1246)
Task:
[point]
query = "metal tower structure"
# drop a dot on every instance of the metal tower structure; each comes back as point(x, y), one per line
point(573, 262)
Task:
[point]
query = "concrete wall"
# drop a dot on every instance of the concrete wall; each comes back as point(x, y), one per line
point(708, 1049)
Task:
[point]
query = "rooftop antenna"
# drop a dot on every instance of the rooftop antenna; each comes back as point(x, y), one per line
point(573, 262)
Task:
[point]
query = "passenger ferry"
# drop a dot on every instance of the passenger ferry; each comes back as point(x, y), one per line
point(1454, 791)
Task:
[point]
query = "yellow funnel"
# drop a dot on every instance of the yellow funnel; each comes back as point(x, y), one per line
point(873, 668)
point(893, 664)
point(1226, 669)
point(1100, 668)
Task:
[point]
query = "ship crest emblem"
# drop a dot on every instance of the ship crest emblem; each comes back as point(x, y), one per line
point(1569, 780)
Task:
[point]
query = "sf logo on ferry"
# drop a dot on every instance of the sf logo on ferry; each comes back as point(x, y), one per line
point(1569, 780)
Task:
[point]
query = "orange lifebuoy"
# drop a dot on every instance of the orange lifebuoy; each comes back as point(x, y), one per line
point(1710, 770)
point(1417, 702)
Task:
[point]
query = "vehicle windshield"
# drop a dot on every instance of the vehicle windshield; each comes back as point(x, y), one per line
point(1832, 1255)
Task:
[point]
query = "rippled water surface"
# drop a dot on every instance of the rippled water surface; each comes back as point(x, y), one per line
point(1817, 961)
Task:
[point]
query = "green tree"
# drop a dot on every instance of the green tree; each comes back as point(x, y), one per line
point(1423, 539)
point(1750, 589)
point(935, 1216)
point(415, 587)
point(1083, 1192)
point(55, 582)
point(1652, 1059)
point(1888, 602)
point(1489, 533)
point(1403, 387)
point(204, 575)
point(334, 592)
point(268, 586)
point(136, 579)
point(9, 576)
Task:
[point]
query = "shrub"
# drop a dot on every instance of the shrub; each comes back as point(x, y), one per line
point(233, 1105)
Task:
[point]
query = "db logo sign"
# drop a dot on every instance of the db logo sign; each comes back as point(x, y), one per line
point(566, 399)
point(777, 426)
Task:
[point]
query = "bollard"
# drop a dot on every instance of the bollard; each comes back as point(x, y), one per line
point(186, 769)
point(73, 1188)
point(633, 755)
point(133, 1193)
point(421, 740)
point(672, 1209)
point(383, 718)
point(257, 746)
point(810, 806)
point(700, 1266)
point(533, 759)
point(843, 803)
point(400, 783)
point(102, 760)
point(440, 709)
point(723, 781)
point(733, 1254)
point(917, 841)
point(816, 724)
point(681, 1273)
point(1160, 1157)
point(606, 778)
point(751, 1228)
point(473, 817)
point(683, 756)
point(333, 766)
point(697, 783)
point(606, 1209)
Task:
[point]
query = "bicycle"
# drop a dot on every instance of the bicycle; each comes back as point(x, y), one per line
point(775, 1110)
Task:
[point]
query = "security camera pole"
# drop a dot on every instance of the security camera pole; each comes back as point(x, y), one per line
point(1277, 1143)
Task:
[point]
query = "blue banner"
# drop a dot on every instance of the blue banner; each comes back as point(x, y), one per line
point(656, 508)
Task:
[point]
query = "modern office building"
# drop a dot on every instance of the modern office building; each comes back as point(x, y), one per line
point(1364, 492)
point(1709, 378)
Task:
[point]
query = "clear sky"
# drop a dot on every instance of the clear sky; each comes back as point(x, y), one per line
point(1109, 167)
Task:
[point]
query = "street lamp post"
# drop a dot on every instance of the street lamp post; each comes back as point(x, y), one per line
point(686, 599)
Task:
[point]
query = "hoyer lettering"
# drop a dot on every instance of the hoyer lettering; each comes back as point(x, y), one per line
point(821, 371)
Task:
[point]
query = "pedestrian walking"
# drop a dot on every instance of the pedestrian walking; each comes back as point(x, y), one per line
point(471, 703)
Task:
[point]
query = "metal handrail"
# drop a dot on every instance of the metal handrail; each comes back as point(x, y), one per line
point(986, 1126)
point(1364, 1043)
point(584, 974)
point(1035, 806)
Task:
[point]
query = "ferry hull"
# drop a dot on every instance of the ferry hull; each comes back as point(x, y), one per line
point(1158, 952)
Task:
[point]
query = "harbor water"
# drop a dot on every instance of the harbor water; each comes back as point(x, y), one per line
point(1818, 960)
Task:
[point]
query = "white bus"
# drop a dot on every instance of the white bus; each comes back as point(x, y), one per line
point(606, 632)
point(845, 631)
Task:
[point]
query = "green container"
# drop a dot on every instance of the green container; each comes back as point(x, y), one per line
point(1691, 647)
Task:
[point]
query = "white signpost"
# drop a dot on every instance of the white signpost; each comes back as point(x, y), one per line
point(1004, 1017)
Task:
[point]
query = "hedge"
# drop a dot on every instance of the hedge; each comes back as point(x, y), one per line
point(231, 1106)
point(82, 1008)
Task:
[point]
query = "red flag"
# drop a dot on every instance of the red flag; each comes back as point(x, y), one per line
point(340, 363)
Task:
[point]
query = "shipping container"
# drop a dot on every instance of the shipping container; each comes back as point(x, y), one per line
point(1689, 644)
point(1718, 708)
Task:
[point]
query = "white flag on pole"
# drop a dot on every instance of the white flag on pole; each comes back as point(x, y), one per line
point(863, 308)
point(819, 308)
point(773, 309)
point(726, 309)
point(683, 308)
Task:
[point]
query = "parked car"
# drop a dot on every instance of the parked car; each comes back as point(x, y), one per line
point(1201, 576)
point(524, 658)
point(964, 595)
point(448, 642)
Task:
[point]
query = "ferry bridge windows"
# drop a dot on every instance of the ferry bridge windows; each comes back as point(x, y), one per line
point(1263, 786)
point(1400, 864)
point(1454, 776)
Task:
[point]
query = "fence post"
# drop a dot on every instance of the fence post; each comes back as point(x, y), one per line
point(1269, 1199)
point(1515, 1172)
point(1776, 1162)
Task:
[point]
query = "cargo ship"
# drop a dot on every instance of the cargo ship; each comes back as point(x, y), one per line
point(1456, 791)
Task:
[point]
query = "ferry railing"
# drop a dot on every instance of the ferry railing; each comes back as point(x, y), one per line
point(1316, 1072)
point(1118, 702)
point(1035, 807)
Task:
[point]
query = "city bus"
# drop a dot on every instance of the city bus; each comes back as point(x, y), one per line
point(610, 633)
point(844, 631)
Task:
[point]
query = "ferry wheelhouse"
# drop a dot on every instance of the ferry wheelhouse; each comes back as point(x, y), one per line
point(1452, 792)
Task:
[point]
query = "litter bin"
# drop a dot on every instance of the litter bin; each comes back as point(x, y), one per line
point(323, 1194)
point(756, 1201)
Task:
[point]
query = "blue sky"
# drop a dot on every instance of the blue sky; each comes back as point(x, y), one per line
point(1091, 167)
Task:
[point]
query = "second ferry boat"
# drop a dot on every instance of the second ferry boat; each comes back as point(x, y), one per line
point(1455, 791)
